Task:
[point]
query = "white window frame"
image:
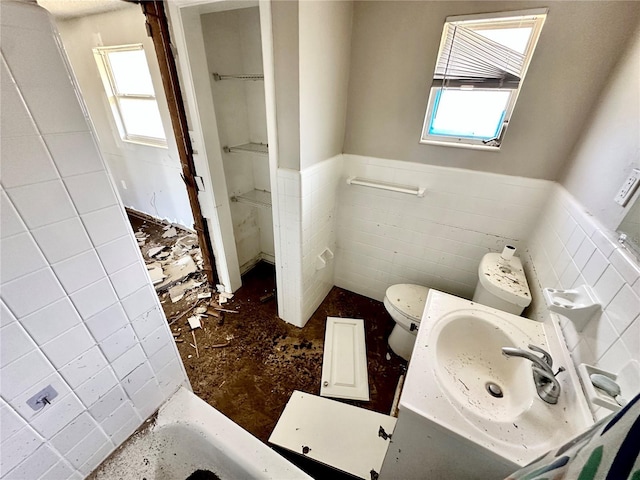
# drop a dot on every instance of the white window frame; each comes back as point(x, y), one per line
point(101, 55)
point(490, 20)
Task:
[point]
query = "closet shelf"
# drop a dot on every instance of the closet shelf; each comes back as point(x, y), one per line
point(240, 76)
point(260, 148)
point(256, 198)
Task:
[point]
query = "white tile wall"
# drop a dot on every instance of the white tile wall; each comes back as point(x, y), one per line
point(570, 248)
point(386, 238)
point(74, 316)
point(319, 207)
point(290, 280)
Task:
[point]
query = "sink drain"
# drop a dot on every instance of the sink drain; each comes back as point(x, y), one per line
point(494, 390)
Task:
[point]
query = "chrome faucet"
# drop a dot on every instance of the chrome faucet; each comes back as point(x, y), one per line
point(545, 380)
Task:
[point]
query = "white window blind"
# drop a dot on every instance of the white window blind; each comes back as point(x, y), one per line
point(469, 58)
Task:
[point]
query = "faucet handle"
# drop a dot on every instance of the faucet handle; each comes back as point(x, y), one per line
point(546, 357)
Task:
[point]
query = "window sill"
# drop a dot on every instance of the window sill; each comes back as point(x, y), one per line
point(146, 144)
point(460, 145)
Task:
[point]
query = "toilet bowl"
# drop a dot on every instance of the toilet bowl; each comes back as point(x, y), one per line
point(405, 303)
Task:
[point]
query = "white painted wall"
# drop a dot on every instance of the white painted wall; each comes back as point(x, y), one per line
point(393, 54)
point(325, 55)
point(609, 147)
point(287, 85)
point(77, 308)
point(151, 174)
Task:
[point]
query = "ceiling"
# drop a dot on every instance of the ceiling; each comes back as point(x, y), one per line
point(65, 9)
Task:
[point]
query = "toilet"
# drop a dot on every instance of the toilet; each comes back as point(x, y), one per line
point(501, 284)
point(405, 303)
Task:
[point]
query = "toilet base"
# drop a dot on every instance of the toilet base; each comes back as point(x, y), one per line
point(401, 342)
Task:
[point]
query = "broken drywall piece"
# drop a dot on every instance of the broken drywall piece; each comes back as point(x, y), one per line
point(200, 310)
point(188, 241)
point(204, 295)
point(226, 295)
point(170, 233)
point(155, 272)
point(220, 288)
point(222, 300)
point(176, 271)
point(152, 252)
point(177, 292)
point(140, 235)
point(163, 255)
point(194, 322)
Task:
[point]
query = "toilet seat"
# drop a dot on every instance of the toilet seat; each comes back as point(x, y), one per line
point(407, 301)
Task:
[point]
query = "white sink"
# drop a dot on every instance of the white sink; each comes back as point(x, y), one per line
point(457, 353)
point(469, 362)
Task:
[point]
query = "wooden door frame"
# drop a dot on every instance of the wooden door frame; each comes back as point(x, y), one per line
point(158, 30)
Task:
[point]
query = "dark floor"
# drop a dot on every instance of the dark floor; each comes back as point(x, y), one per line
point(251, 379)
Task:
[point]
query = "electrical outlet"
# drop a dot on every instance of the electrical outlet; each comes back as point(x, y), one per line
point(628, 188)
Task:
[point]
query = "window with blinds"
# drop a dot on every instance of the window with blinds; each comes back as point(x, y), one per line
point(479, 71)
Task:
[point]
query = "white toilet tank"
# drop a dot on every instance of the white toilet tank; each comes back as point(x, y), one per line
point(502, 284)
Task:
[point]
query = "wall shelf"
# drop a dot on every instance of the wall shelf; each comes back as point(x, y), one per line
point(240, 76)
point(256, 198)
point(259, 148)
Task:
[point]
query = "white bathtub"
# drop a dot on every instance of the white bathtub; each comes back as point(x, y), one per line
point(190, 435)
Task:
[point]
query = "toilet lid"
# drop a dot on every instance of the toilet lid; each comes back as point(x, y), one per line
point(408, 299)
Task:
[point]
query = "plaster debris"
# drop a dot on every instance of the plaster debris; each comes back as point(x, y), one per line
point(152, 252)
point(204, 295)
point(177, 271)
point(177, 292)
point(155, 272)
point(170, 233)
point(188, 241)
point(200, 310)
point(194, 322)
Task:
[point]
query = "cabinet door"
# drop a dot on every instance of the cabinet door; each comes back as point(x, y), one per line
point(344, 365)
point(348, 438)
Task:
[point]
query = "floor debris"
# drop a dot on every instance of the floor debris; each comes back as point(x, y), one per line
point(195, 343)
point(177, 271)
point(155, 272)
point(152, 252)
point(177, 291)
point(194, 322)
point(251, 379)
point(171, 232)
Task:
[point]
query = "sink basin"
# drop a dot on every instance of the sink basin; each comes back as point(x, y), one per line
point(474, 374)
point(458, 355)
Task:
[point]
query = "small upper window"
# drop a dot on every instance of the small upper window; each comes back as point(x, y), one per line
point(127, 81)
point(479, 72)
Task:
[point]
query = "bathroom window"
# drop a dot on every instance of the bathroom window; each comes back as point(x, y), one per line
point(127, 82)
point(479, 71)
